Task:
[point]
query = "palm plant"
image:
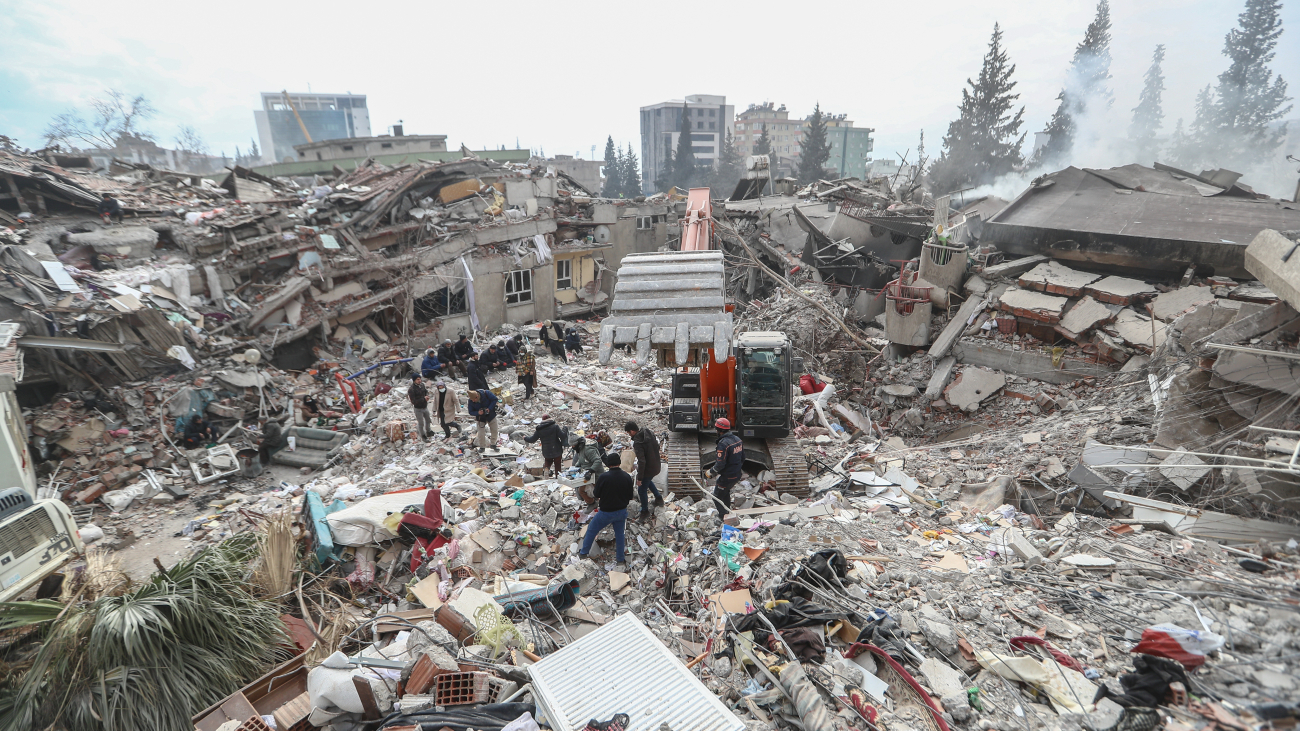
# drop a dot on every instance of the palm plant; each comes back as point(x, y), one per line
point(148, 659)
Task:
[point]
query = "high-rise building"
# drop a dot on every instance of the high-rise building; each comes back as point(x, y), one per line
point(326, 117)
point(850, 146)
point(710, 119)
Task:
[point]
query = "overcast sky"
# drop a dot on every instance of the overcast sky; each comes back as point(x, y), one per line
point(563, 75)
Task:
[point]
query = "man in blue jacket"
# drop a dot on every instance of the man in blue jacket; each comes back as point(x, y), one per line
point(431, 367)
point(483, 407)
point(728, 465)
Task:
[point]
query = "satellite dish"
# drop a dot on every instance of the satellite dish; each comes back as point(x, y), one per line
point(601, 234)
point(252, 356)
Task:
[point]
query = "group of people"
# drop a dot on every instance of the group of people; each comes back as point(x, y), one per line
point(560, 342)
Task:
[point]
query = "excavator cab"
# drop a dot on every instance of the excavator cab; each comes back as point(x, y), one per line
point(764, 374)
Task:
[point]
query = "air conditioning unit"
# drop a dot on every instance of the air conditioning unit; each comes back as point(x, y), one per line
point(35, 541)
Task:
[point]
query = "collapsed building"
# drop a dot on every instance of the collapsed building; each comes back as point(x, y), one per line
point(1045, 489)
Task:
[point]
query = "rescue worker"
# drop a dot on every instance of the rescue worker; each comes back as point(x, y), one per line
point(728, 466)
point(551, 436)
point(646, 448)
point(483, 407)
point(526, 370)
point(418, 393)
point(613, 492)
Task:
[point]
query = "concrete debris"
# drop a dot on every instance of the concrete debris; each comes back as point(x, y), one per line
point(976, 534)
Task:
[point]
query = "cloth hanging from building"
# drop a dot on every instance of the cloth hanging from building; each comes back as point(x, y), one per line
point(469, 295)
point(543, 251)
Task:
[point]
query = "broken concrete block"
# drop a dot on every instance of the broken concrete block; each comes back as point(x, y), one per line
point(972, 386)
point(1170, 305)
point(1138, 332)
point(1033, 305)
point(1021, 546)
point(1086, 314)
point(1264, 259)
point(1056, 278)
point(899, 390)
point(618, 580)
point(1013, 267)
point(941, 636)
point(943, 680)
point(1183, 469)
point(133, 242)
point(1119, 290)
point(939, 379)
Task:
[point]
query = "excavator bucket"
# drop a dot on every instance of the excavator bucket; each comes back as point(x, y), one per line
point(670, 300)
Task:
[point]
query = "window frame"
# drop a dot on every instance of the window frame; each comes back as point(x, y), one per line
point(565, 282)
point(522, 291)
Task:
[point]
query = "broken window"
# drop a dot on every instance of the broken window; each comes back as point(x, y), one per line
point(564, 274)
point(347, 148)
point(440, 303)
point(385, 144)
point(519, 286)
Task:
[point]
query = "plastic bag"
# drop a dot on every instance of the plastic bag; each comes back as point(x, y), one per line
point(1187, 646)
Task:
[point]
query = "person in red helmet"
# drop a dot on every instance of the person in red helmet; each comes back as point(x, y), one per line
point(728, 466)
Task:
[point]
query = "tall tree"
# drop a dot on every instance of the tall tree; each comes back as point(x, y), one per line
point(1180, 146)
point(684, 172)
point(984, 141)
point(630, 170)
point(1233, 126)
point(613, 170)
point(814, 151)
point(667, 172)
point(730, 167)
point(764, 144)
point(1085, 88)
point(1148, 114)
point(113, 117)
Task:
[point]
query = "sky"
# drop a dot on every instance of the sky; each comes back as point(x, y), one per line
point(564, 75)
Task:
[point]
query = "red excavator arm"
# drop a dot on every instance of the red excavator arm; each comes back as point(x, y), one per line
point(697, 226)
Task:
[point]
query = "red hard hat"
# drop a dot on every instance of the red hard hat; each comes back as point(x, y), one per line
point(722, 423)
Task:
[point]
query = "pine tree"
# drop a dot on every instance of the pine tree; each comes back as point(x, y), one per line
point(764, 144)
point(684, 172)
point(664, 180)
point(613, 170)
point(1180, 145)
point(814, 151)
point(730, 167)
point(1085, 88)
point(984, 141)
point(631, 172)
point(1148, 115)
point(1233, 126)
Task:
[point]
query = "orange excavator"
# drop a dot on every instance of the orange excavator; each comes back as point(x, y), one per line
point(674, 305)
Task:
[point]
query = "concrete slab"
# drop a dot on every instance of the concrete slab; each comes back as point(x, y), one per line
point(1086, 314)
point(1056, 278)
point(1259, 369)
point(973, 386)
point(1264, 260)
point(943, 680)
point(1136, 330)
point(1119, 290)
point(1027, 363)
point(1183, 469)
point(134, 242)
point(1012, 268)
point(1033, 305)
point(1096, 453)
point(939, 378)
point(956, 326)
point(1171, 305)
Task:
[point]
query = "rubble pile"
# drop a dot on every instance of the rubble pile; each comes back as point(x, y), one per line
point(1039, 495)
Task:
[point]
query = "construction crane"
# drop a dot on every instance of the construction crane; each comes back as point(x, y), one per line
point(296, 116)
point(674, 304)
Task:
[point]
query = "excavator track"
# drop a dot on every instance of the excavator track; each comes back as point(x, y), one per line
point(684, 463)
point(790, 466)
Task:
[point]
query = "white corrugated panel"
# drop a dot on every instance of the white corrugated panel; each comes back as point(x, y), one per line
point(623, 668)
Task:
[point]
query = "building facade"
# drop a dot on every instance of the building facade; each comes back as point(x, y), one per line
point(326, 117)
point(710, 119)
point(346, 149)
point(850, 147)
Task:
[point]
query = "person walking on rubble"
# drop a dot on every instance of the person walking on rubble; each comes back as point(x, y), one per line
point(418, 393)
point(646, 448)
point(613, 492)
point(572, 342)
point(448, 405)
point(526, 370)
point(728, 465)
point(449, 359)
point(483, 407)
point(552, 437)
point(476, 374)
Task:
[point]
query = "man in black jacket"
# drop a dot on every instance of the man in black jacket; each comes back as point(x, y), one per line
point(648, 464)
point(552, 438)
point(613, 492)
point(464, 349)
point(476, 374)
point(453, 362)
point(418, 393)
point(728, 465)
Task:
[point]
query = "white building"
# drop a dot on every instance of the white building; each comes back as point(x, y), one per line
point(710, 119)
point(326, 117)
